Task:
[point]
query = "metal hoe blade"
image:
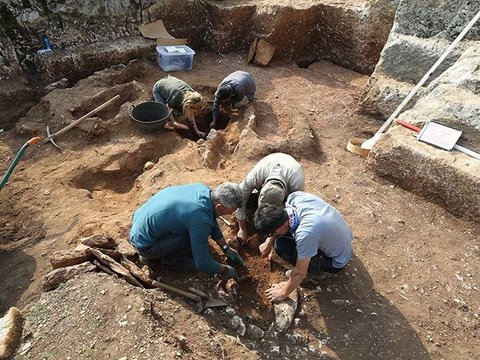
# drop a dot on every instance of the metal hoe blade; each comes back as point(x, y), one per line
point(50, 137)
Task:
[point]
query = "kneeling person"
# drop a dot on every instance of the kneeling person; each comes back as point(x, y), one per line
point(176, 223)
point(308, 233)
point(238, 88)
point(274, 177)
point(182, 99)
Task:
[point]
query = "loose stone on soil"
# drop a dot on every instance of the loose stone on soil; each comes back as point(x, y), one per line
point(285, 310)
point(238, 325)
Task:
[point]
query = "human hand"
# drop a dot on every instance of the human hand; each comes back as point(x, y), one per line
point(276, 292)
point(201, 134)
point(228, 273)
point(232, 254)
point(265, 249)
point(242, 236)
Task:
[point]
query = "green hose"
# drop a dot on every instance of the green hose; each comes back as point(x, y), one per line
point(32, 141)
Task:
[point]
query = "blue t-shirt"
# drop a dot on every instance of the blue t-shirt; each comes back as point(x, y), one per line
point(181, 210)
point(321, 227)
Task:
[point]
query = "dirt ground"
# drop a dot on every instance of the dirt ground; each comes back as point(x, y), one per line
point(410, 292)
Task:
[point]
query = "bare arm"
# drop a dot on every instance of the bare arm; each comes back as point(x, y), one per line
point(280, 291)
point(253, 180)
point(266, 247)
point(242, 233)
point(193, 123)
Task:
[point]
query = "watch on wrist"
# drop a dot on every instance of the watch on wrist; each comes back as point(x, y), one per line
point(225, 247)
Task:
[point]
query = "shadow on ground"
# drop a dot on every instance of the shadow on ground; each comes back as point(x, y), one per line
point(359, 323)
point(16, 271)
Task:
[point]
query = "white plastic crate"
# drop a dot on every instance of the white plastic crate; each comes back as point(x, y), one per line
point(175, 58)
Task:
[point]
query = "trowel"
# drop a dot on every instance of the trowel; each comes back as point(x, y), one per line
point(209, 301)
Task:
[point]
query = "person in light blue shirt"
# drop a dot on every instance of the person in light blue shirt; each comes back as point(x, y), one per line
point(308, 233)
point(176, 223)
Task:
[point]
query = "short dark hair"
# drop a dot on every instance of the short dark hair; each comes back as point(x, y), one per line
point(268, 218)
point(223, 92)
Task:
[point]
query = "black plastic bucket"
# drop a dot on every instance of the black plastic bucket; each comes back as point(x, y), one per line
point(150, 116)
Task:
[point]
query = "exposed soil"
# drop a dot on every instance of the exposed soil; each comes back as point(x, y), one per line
point(410, 292)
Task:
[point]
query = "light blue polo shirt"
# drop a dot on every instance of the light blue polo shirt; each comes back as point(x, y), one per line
point(322, 228)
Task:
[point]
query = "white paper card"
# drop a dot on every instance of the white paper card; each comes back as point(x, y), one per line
point(439, 135)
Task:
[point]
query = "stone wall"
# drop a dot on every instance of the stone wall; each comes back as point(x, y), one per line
point(422, 31)
point(451, 96)
point(87, 36)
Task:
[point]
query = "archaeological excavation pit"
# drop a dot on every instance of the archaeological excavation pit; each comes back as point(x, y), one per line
point(339, 68)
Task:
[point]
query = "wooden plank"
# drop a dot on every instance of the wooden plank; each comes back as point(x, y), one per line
point(116, 267)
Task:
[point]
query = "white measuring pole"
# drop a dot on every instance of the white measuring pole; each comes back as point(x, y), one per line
point(469, 152)
point(370, 142)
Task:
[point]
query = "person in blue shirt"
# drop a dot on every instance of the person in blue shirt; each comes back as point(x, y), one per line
point(238, 88)
point(308, 233)
point(175, 224)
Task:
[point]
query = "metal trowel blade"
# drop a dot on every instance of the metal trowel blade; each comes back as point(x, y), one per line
point(211, 302)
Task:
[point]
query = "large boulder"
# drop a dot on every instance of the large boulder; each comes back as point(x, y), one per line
point(421, 33)
point(449, 178)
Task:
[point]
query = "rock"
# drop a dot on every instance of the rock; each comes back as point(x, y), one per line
point(31, 128)
point(210, 149)
point(148, 165)
point(263, 52)
point(449, 178)
point(99, 241)
point(64, 258)
point(451, 98)
point(60, 84)
point(112, 253)
point(255, 332)
point(125, 248)
point(251, 50)
point(182, 342)
point(10, 332)
point(238, 325)
point(285, 311)
point(61, 275)
point(230, 312)
point(413, 47)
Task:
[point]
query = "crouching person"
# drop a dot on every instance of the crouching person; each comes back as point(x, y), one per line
point(174, 226)
point(182, 99)
point(308, 233)
point(238, 88)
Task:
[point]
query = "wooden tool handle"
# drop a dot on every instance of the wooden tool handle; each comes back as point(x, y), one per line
point(198, 292)
point(175, 290)
point(94, 111)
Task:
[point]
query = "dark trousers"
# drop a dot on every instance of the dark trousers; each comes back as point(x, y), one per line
point(285, 248)
point(174, 251)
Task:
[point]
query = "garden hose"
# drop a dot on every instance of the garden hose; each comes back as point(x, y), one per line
point(32, 141)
